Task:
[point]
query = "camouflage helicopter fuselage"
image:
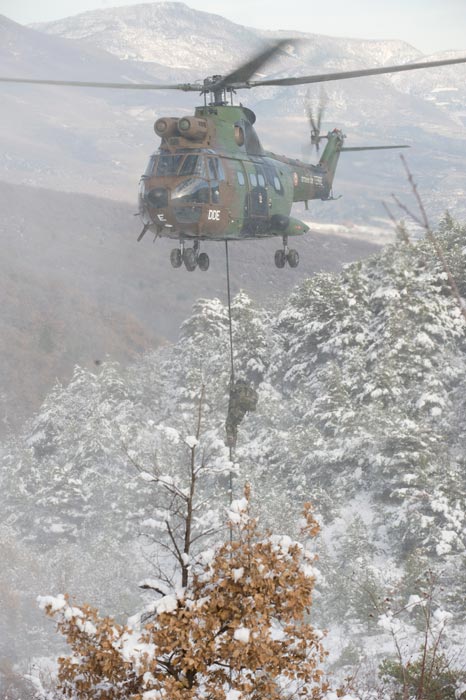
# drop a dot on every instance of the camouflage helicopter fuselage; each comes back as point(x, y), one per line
point(212, 180)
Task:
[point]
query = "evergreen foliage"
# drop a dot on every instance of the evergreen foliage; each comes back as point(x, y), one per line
point(361, 380)
point(440, 682)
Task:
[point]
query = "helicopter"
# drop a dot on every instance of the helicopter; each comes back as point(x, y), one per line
point(211, 179)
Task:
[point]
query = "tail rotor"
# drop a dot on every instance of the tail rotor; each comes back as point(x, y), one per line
point(315, 123)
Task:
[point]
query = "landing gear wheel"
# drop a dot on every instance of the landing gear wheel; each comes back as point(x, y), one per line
point(280, 258)
point(293, 258)
point(189, 258)
point(203, 262)
point(176, 258)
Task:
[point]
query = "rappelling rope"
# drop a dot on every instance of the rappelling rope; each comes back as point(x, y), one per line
point(229, 313)
point(232, 374)
point(243, 397)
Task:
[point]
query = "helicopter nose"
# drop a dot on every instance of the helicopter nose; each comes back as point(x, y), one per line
point(157, 198)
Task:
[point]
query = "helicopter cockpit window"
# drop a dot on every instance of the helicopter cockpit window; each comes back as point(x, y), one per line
point(193, 165)
point(215, 169)
point(168, 165)
point(215, 175)
point(221, 173)
point(189, 165)
point(192, 190)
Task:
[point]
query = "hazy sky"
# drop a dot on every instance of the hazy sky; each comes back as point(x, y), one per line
point(430, 25)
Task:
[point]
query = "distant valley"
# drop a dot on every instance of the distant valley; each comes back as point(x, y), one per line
point(77, 287)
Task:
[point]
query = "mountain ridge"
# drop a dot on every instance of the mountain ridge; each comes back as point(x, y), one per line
point(130, 24)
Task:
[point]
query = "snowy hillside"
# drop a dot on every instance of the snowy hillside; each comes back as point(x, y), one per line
point(361, 379)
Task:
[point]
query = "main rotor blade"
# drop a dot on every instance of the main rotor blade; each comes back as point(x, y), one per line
point(370, 148)
point(236, 80)
point(186, 87)
point(246, 70)
point(345, 75)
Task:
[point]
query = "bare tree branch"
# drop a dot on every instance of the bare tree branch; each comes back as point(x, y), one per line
point(398, 226)
point(423, 221)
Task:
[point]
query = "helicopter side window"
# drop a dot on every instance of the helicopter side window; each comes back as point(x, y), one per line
point(272, 177)
point(260, 176)
point(253, 179)
point(277, 184)
point(240, 177)
point(168, 165)
point(270, 173)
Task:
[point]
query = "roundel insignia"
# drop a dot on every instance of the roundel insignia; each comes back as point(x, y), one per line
point(295, 179)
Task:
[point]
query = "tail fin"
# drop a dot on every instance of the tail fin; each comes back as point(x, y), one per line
point(331, 154)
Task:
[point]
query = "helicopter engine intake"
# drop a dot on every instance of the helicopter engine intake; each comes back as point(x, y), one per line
point(166, 127)
point(193, 128)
